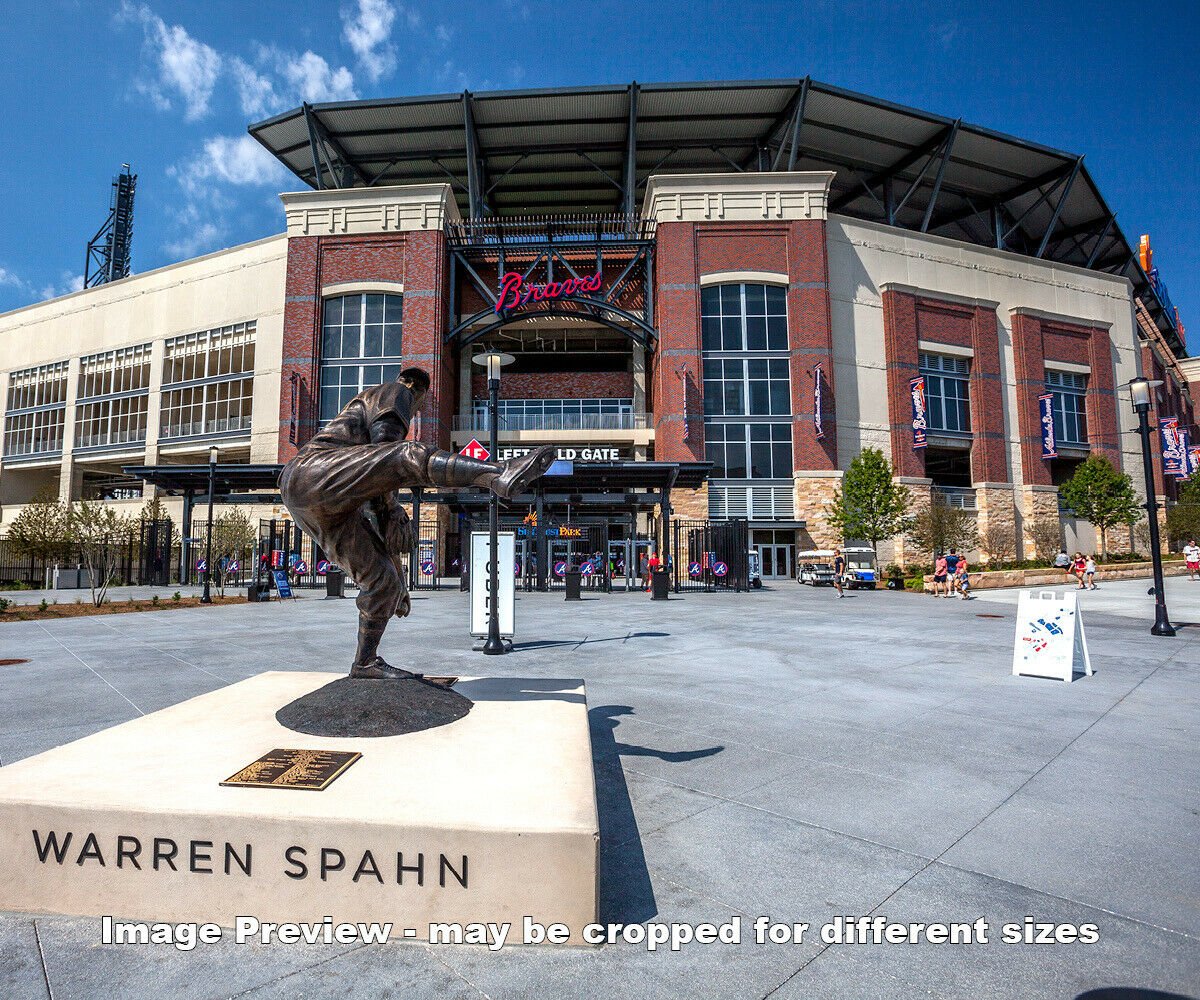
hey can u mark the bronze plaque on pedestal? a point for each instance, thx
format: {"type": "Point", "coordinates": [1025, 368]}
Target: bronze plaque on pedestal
{"type": "Point", "coordinates": [311, 770]}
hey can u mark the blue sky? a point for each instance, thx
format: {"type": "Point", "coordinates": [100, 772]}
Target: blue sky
{"type": "Point", "coordinates": [171, 86]}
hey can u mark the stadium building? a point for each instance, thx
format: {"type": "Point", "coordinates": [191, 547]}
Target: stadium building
{"type": "Point", "coordinates": [716, 296]}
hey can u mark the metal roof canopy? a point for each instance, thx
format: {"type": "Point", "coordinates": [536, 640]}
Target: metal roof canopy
{"type": "Point", "coordinates": [585, 478]}
{"type": "Point", "coordinates": [230, 478]}
{"type": "Point", "coordinates": [591, 149]}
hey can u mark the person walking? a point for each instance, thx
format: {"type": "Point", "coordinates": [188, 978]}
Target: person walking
{"type": "Point", "coordinates": [1089, 572]}
{"type": "Point", "coordinates": [839, 567]}
{"type": "Point", "coordinates": [963, 578]}
{"type": "Point", "coordinates": [652, 565]}
{"type": "Point", "coordinates": [952, 572]}
{"type": "Point", "coordinates": [1191, 555]}
{"type": "Point", "coordinates": [1079, 567]}
{"type": "Point", "coordinates": [644, 571]}
{"type": "Point", "coordinates": [940, 578]}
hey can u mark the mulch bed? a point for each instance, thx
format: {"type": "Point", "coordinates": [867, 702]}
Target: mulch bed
{"type": "Point", "coordinates": [34, 613]}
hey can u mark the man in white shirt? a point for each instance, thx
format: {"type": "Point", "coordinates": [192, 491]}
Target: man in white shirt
{"type": "Point", "coordinates": [1191, 555]}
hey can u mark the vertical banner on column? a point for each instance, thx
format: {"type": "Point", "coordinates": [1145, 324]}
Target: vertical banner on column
{"type": "Point", "coordinates": [920, 424]}
{"type": "Point", "coordinates": [1185, 452]}
{"type": "Point", "coordinates": [1046, 415]}
{"type": "Point", "coordinates": [1193, 460]}
{"type": "Point", "coordinates": [818, 426]}
{"type": "Point", "coordinates": [1172, 446]}
{"type": "Point", "coordinates": [480, 579]}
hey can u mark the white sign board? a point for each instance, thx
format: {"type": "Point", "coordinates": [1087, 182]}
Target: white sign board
{"type": "Point", "coordinates": [1050, 640]}
{"type": "Point", "coordinates": [481, 581]}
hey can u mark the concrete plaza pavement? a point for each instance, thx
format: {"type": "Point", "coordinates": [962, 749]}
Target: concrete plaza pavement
{"type": "Point", "coordinates": [780, 753]}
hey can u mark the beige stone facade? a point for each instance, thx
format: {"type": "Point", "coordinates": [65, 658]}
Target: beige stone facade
{"type": "Point", "coordinates": [814, 496]}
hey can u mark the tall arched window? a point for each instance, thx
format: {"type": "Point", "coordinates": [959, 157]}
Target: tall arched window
{"type": "Point", "coordinates": [360, 346]}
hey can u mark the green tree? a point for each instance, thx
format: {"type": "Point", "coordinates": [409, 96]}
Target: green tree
{"type": "Point", "coordinates": [1100, 494]}
{"type": "Point", "coordinates": [102, 536]}
{"type": "Point", "coordinates": [869, 504]}
{"type": "Point", "coordinates": [1183, 520]}
{"type": "Point", "coordinates": [941, 527]}
{"type": "Point", "coordinates": [233, 538]}
{"type": "Point", "coordinates": [40, 531]}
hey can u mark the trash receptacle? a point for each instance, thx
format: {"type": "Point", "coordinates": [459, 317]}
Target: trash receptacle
{"type": "Point", "coordinates": [573, 579]}
{"type": "Point", "coordinates": [335, 582]}
{"type": "Point", "coordinates": [260, 591]}
{"type": "Point", "coordinates": [660, 585]}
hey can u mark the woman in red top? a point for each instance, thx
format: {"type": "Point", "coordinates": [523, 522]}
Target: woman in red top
{"type": "Point", "coordinates": [1079, 566]}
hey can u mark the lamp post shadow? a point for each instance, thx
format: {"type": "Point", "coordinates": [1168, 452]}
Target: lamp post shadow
{"type": "Point", "coordinates": [626, 893]}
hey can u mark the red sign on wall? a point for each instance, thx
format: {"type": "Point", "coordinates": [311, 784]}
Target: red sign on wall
{"type": "Point", "coordinates": [475, 450]}
{"type": "Point", "coordinates": [516, 291]}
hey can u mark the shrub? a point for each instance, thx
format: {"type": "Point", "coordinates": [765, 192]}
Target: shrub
{"type": "Point", "coordinates": [177, 597]}
{"type": "Point", "coordinates": [43, 605]}
{"type": "Point", "coordinates": [154, 599]}
{"type": "Point", "coordinates": [5, 603]}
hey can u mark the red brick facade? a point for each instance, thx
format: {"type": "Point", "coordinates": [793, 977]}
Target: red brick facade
{"type": "Point", "coordinates": [689, 251]}
{"type": "Point", "coordinates": [416, 259]}
{"type": "Point", "coordinates": [909, 319]}
{"type": "Point", "coordinates": [1038, 340]}
{"type": "Point", "coordinates": [558, 385]}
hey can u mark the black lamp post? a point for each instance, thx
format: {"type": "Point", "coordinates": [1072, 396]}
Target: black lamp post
{"type": "Point", "coordinates": [206, 597]}
{"type": "Point", "coordinates": [493, 361]}
{"type": "Point", "coordinates": [1139, 391]}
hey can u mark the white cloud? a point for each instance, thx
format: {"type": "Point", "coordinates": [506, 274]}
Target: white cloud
{"type": "Point", "coordinates": [312, 79]}
{"type": "Point", "coordinates": [257, 91]}
{"type": "Point", "coordinates": [442, 33]}
{"type": "Point", "coordinates": [203, 237]}
{"type": "Point", "coordinates": [368, 32]}
{"type": "Point", "coordinates": [228, 159]}
{"type": "Point", "coordinates": [184, 65]}
{"type": "Point", "coordinates": [8, 279]}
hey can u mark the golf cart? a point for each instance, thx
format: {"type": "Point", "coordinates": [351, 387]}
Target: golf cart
{"type": "Point", "coordinates": [815, 567]}
{"type": "Point", "coordinates": [860, 567]}
{"type": "Point", "coordinates": [755, 571]}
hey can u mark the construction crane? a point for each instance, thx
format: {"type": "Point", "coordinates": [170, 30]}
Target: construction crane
{"type": "Point", "coordinates": [109, 252]}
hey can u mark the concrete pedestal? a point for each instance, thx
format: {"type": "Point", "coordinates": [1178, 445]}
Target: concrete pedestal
{"type": "Point", "coordinates": [490, 818]}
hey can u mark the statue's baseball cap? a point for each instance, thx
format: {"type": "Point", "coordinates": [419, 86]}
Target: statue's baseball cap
{"type": "Point", "coordinates": [417, 378]}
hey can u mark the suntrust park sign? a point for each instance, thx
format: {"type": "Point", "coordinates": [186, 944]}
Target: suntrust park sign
{"type": "Point", "coordinates": [515, 291]}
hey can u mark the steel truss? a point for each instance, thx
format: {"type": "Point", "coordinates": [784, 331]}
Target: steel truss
{"type": "Point", "coordinates": [543, 251]}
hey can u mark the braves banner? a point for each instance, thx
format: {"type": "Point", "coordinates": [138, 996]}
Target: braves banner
{"type": "Point", "coordinates": [1185, 438]}
{"type": "Point", "coordinates": [818, 426]}
{"type": "Point", "coordinates": [919, 423]}
{"type": "Point", "coordinates": [1172, 447]}
{"type": "Point", "coordinates": [1193, 459]}
{"type": "Point", "coordinates": [1046, 413]}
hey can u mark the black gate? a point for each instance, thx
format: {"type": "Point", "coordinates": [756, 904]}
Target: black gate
{"type": "Point", "coordinates": [710, 555]}
{"type": "Point", "coordinates": [155, 550]}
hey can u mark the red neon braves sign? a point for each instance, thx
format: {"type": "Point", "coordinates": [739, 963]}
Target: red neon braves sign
{"type": "Point", "coordinates": [515, 291]}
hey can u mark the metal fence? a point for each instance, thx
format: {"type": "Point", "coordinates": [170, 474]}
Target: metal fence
{"type": "Point", "coordinates": [143, 556]}
{"type": "Point", "coordinates": [710, 555]}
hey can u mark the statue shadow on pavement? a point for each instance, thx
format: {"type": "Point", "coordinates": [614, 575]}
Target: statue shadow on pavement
{"type": "Point", "coordinates": [626, 893]}
{"type": "Point", "coordinates": [585, 641]}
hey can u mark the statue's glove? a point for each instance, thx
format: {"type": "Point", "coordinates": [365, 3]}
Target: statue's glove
{"type": "Point", "coordinates": [398, 533]}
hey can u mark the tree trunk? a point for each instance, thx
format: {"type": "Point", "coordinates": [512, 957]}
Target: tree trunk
{"type": "Point", "coordinates": [1103, 543]}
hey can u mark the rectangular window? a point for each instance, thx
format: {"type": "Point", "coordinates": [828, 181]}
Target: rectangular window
{"type": "Point", "coordinates": [747, 382]}
{"type": "Point", "coordinates": [947, 394]}
{"type": "Point", "coordinates": [558, 414]}
{"type": "Point", "coordinates": [747, 386]}
{"type": "Point", "coordinates": [208, 382]}
{"type": "Point", "coordinates": [749, 451]}
{"type": "Point", "coordinates": [1069, 406]}
{"type": "Point", "coordinates": [36, 410]}
{"type": "Point", "coordinates": [113, 397]}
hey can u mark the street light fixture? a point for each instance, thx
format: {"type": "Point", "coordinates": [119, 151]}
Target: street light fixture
{"type": "Point", "coordinates": [1140, 393]}
{"type": "Point", "coordinates": [493, 361]}
{"type": "Point", "coordinates": [206, 597]}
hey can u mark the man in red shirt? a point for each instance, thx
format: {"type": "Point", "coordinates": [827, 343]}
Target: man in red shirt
{"type": "Point", "coordinates": [651, 568]}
